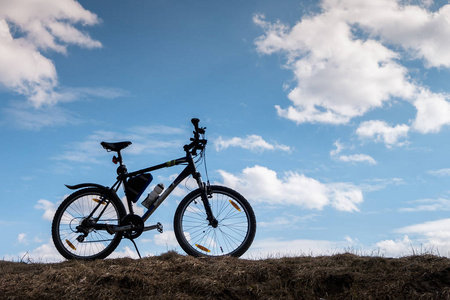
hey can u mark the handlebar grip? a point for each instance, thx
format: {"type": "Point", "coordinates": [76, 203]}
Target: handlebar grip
{"type": "Point", "coordinates": [195, 122]}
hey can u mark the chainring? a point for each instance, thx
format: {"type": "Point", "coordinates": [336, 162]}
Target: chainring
{"type": "Point", "coordinates": [136, 222]}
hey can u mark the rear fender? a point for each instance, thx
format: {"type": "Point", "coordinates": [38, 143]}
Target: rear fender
{"type": "Point", "coordinates": [105, 189]}
{"type": "Point", "coordinates": [85, 185]}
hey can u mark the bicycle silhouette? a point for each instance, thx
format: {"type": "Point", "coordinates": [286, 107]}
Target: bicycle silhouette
{"type": "Point", "coordinates": [212, 220]}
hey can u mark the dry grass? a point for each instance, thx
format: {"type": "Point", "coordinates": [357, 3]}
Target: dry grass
{"type": "Point", "coordinates": [173, 276]}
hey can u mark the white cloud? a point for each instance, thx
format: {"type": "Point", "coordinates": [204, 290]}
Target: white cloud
{"type": "Point", "coordinates": [433, 235]}
{"type": "Point", "coordinates": [27, 30]}
{"type": "Point", "coordinates": [440, 172]}
{"type": "Point", "coordinates": [251, 142]}
{"type": "Point", "coordinates": [358, 158]}
{"type": "Point", "coordinates": [48, 207]}
{"type": "Point", "coordinates": [343, 67]}
{"type": "Point", "coordinates": [432, 228]}
{"type": "Point", "coordinates": [396, 248]}
{"type": "Point", "coordinates": [405, 246]}
{"type": "Point", "coordinates": [430, 237]}
{"type": "Point", "coordinates": [433, 112]}
{"type": "Point", "coordinates": [21, 238]}
{"type": "Point", "coordinates": [145, 139]}
{"type": "Point", "coordinates": [350, 158]}
{"type": "Point", "coordinates": [45, 253]}
{"type": "Point", "coordinates": [24, 116]}
{"type": "Point", "coordinates": [167, 238]}
{"type": "Point", "coordinates": [377, 184]}
{"type": "Point", "coordinates": [382, 132]}
{"type": "Point", "coordinates": [338, 77]}
{"type": "Point", "coordinates": [439, 204]}
{"type": "Point", "coordinates": [277, 247]}
{"type": "Point", "coordinates": [262, 185]}
{"type": "Point", "coordinates": [421, 32]}
{"type": "Point", "coordinates": [339, 147]}
{"type": "Point", "coordinates": [426, 238]}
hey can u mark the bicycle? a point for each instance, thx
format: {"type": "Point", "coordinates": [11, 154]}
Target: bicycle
{"type": "Point", "coordinates": [212, 220]}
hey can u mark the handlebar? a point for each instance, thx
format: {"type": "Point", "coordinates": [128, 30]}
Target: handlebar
{"type": "Point", "coordinates": [196, 142]}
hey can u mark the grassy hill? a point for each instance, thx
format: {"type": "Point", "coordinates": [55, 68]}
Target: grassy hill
{"type": "Point", "coordinates": [173, 276]}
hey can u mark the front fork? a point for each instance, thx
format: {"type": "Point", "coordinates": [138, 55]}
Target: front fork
{"type": "Point", "coordinates": [205, 191]}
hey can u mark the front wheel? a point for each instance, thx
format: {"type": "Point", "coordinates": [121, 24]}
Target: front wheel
{"type": "Point", "coordinates": [77, 225]}
{"type": "Point", "coordinates": [232, 235]}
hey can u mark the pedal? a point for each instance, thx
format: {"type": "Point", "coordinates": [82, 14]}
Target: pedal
{"type": "Point", "coordinates": [159, 227]}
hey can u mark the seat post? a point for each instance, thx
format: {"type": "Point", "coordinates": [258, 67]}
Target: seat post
{"type": "Point", "coordinates": [119, 157]}
{"type": "Point", "coordinates": [121, 169]}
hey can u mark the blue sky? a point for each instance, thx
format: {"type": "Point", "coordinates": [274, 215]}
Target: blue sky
{"type": "Point", "coordinates": [331, 117]}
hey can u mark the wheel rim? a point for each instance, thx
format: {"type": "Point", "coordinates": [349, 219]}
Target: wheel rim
{"type": "Point", "coordinates": [96, 241]}
{"type": "Point", "coordinates": [227, 237]}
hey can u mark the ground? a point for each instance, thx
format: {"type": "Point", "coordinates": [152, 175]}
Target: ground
{"type": "Point", "coordinates": [174, 276]}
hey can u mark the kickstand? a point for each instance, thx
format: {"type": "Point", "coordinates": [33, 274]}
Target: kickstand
{"type": "Point", "coordinates": [136, 248]}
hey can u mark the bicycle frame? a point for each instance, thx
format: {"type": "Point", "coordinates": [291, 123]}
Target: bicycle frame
{"type": "Point", "coordinates": [189, 170]}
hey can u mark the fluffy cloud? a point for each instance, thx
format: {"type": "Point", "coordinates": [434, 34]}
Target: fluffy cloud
{"type": "Point", "coordinates": [21, 238]}
{"type": "Point", "coordinates": [358, 158]}
{"type": "Point", "coordinates": [343, 67]}
{"type": "Point", "coordinates": [338, 77]}
{"type": "Point", "coordinates": [396, 248]}
{"type": "Point", "coordinates": [440, 172]}
{"type": "Point", "coordinates": [422, 32]}
{"type": "Point", "coordinates": [45, 253]}
{"type": "Point", "coordinates": [263, 185]}
{"type": "Point", "coordinates": [28, 28]}
{"type": "Point", "coordinates": [251, 142]}
{"type": "Point", "coordinates": [433, 112]}
{"type": "Point", "coordinates": [167, 238]}
{"type": "Point", "coordinates": [382, 132]}
{"type": "Point", "coordinates": [354, 158]}
{"type": "Point", "coordinates": [430, 237]}
{"type": "Point", "coordinates": [48, 207]}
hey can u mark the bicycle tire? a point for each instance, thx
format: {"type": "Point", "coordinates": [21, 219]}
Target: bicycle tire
{"type": "Point", "coordinates": [236, 224]}
{"type": "Point", "coordinates": [97, 244]}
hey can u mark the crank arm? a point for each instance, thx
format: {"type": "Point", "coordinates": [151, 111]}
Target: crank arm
{"type": "Point", "coordinates": [158, 227]}
{"type": "Point", "coordinates": [111, 229]}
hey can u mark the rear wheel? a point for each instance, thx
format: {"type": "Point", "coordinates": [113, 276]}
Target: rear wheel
{"type": "Point", "coordinates": [232, 235]}
{"type": "Point", "coordinates": [73, 230]}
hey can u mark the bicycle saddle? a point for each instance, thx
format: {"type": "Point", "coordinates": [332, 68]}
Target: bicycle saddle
{"type": "Point", "coordinates": [115, 146]}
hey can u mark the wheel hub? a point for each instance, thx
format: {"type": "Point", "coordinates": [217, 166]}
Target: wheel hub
{"type": "Point", "coordinates": [214, 223]}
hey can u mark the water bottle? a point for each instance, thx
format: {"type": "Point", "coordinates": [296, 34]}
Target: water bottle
{"type": "Point", "coordinates": [153, 195]}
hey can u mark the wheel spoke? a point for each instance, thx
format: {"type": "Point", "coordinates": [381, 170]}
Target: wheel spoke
{"type": "Point", "coordinates": [235, 229]}
{"type": "Point", "coordinates": [71, 235]}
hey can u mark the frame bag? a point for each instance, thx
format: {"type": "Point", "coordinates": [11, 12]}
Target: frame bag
{"type": "Point", "coordinates": [136, 186]}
